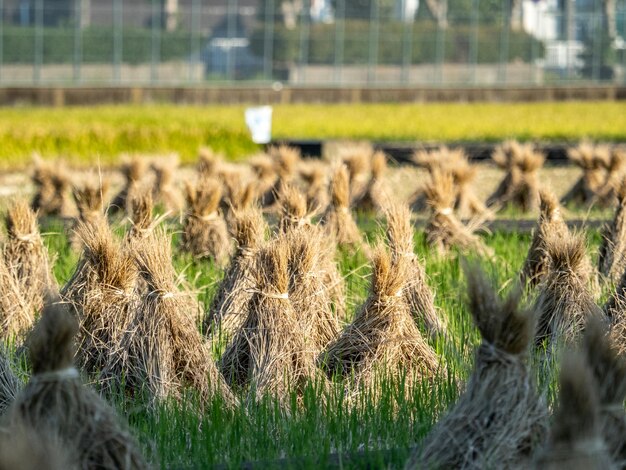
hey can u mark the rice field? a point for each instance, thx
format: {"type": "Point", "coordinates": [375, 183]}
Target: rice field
{"type": "Point", "coordinates": [274, 394]}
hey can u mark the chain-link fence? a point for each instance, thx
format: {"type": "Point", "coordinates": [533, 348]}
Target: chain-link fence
{"type": "Point", "coordinates": [312, 42]}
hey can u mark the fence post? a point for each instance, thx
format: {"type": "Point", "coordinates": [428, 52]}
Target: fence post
{"type": "Point", "coordinates": [78, 40]}
{"type": "Point", "coordinates": [231, 26]}
{"type": "Point", "coordinates": [340, 38]}
{"type": "Point", "coordinates": [195, 54]}
{"type": "Point", "coordinates": [373, 41]}
{"type": "Point", "coordinates": [596, 48]}
{"type": "Point", "coordinates": [118, 39]}
{"type": "Point", "coordinates": [473, 52]}
{"type": "Point", "coordinates": [268, 41]}
{"type": "Point", "coordinates": [304, 40]}
{"type": "Point", "coordinates": [440, 53]}
{"type": "Point", "coordinates": [38, 40]}
{"type": "Point", "coordinates": [156, 46]}
{"type": "Point", "coordinates": [504, 42]}
{"type": "Point", "coordinates": [407, 48]}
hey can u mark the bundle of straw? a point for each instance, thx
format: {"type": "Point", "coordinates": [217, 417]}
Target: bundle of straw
{"type": "Point", "coordinates": [140, 207]}
{"type": "Point", "coordinates": [205, 233]}
{"type": "Point", "coordinates": [417, 293]}
{"type": "Point", "coordinates": [593, 160]}
{"type": "Point", "coordinates": [337, 219]}
{"type": "Point", "coordinates": [133, 171]}
{"type": "Point", "coordinates": [499, 419]}
{"type": "Point", "coordinates": [520, 186]}
{"type": "Point", "coordinates": [374, 197]}
{"type": "Point", "coordinates": [27, 448]}
{"type": "Point", "coordinates": [565, 301]}
{"type": "Point", "coordinates": [165, 191]}
{"type": "Point", "coordinates": [383, 336]}
{"type": "Point", "coordinates": [10, 384]}
{"type": "Point", "coordinates": [316, 178]}
{"type": "Point", "coordinates": [269, 352]}
{"type": "Point", "coordinates": [208, 163]}
{"type": "Point", "coordinates": [52, 189]}
{"type": "Point", "coordinates": [161, 350]}
{"type": "Point", "coordinates": [230, 305]}
{"type": "Point", "coordinates": [443, 229]}
{"type": "Point", "coordinates": [89, 198]}
{"type": "Point", "coordinates": [285, 161]}
{"type": "Point", "coordinates": [16, 314]}
{"type": "Point", "coordinates": [357, 162]}
{"type": "Point", "coordinates": [575, 441]}
{"type": "Point", "coordinates": [55, 400]}
{"type": "Point", "coordinates": [26, 257]}
{"type": "Point", "coordinates": [612, 253]}
{"type": "Point", "coordinates": [550, 224]}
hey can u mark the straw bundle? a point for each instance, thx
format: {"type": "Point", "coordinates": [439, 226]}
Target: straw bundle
{"type": "Point", "coordinates": [16, 314]}
{"type": "Point", "coordinates": [205, 234]}
{"type": "Point", "coordinates": [417, 293]}
{"type": "Point", "coordinates": [358, 163]}
{"type": "Point", "coordinates": [337, 219]}
{"type": "Point", "coordinates": [26, 448]}
{"type": "Point", "coordinates": [316, 178]}
{"type": "Point", "coordinates": [89, 198]}
{"type": "Point", "coordinates": [443, 229]}
{"type": "Point", "coordinates": [309, 289]}
{"type": "Point", "coordinates": [285, 161]}
{"type": "Point", "coordinates": [161, 350]}
{"type": "Point", "coordinates": [575, 441]}
{"type": "Point", "coordinates": [26, 257]}
{"type": "Point", "coordinates": [55, 400]}
{"type": "Point", "coordinates": [609, 369]}
{"type": "Point", "coordinates": [270, 351]}
{"type": "Point", "coordinates": [230, 305]}
{"type": "Point", "coordinates": [266, 174]}
{"type": "Point", "coordinates": [140, 207]}
{"type": "Point", "coordinates": [593, 160]}
{"type": "Point", "coordinates": [133, 171]}
{"type": "Point", "coordinates": [165, 191]}
{"type": "Point", "coordinates": [612, 253]}
{"type": "Point", "coordinates": [52, 189]}
{"type": "Point", "coordinates": [520, 186]}
{"type": "Point", "coordinates": [374, 197]}
{"type": "Point", "coordinates": [550, 224]}
{"type": "Point", "coordinates": [499, 420]}
{"type": "Point", "coordinates": [208, 163]}
{"type": "Point", "coordinates": [614, 177]}
{"type": "Point", "coordinates": [105, 300]}
{"type": "Point", "coordinates": [565, 301]}
{"type": "Point", "coordinates": [383, 335]}
{"type": "Point", "coordinates": [10, 385]}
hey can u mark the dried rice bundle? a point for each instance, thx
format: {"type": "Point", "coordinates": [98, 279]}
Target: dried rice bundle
{"type": "Point", "coordinates": [609, 369]}
{"type": "Point", "coordinates": [417, 293]}
{"type": "Point", "coordinates": [89, 198]}
{"type": "Point", "coordinates": [55, 399]}
{"type": "Point", "coordinates": [550, 224]}
{"type": "Point", "coordinates": [593, 160]}
{"type": "Point", "coordinates": [266, 174]}
{"type": "Point", "coordinates": [270, 351]}
{"type": "Point", "coordinates": [575, 440]}
{"type": "Point", "coordinates": [208, 163]}
{"type": "Point", "coordinates": [10, 384]}
{"type": "Point", "coordinates": [164, 190]}
{"type": "Point", "coordinates": [612, 253]}
{"type": "Point", "coordinates": [520, 186]}
{"type": "Point", "coordinates": [26, 257]}
{"type": "Point", "coordinates": [443, 229]}
{"type": "Point", "coordinates": [205, 233]}
{"type": "Point", "coordinates": [230, 305]}
{"type": "Point", "coordinates": [161, 350]}
{"type": "Point", "coordinates": [309, 290]}
{"type": "Point", "coordinates": [614, 177]}
{"type": "Point", "coordinates": [565, 301]}
{"type": "Point", "coordinates": [139, 206]}
{"type": "Point", "coordinates": [317, 196]}
{"type": "Point", "coordinates": [337, 219]}
{"type": "Point", "coordinates": [238, 193]}
{"type": "Point", "coordinates": [383, 336]}
{"type": "Point", "coordinates": [26, 448]}
{"type": "Point", "coordinates": [500, 419]}
{"type": "Point", "coordinates": [106, 300]}
{"type": "Point", "coordinates": [52, 189]}
{"type": "Point", "coordinates": [16, 314]}
{"type": "Point", "coordinates": [374, 197]}
{"type": "Point", "coordinates": [285, 161]}
{"type": "Point", "coordinates": [133, 171]}
{"type": "Point", "coordinates": [358, 163]}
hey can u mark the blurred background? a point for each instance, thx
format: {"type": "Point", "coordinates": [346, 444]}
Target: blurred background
{"type": "Point", "coordinates": [373, 43]}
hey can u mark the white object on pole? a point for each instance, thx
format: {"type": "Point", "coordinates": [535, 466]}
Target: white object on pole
{"type": "Point", "coordinates": [259, 121]}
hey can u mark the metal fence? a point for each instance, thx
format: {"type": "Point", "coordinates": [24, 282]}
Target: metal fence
{"type": "Point", "coordinates": [306, 42]}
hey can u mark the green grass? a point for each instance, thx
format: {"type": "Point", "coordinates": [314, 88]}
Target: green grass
{"type": "Point", "coordinates": [89, 134]}
{"type": "Point", "coordinates": [179, 435]}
